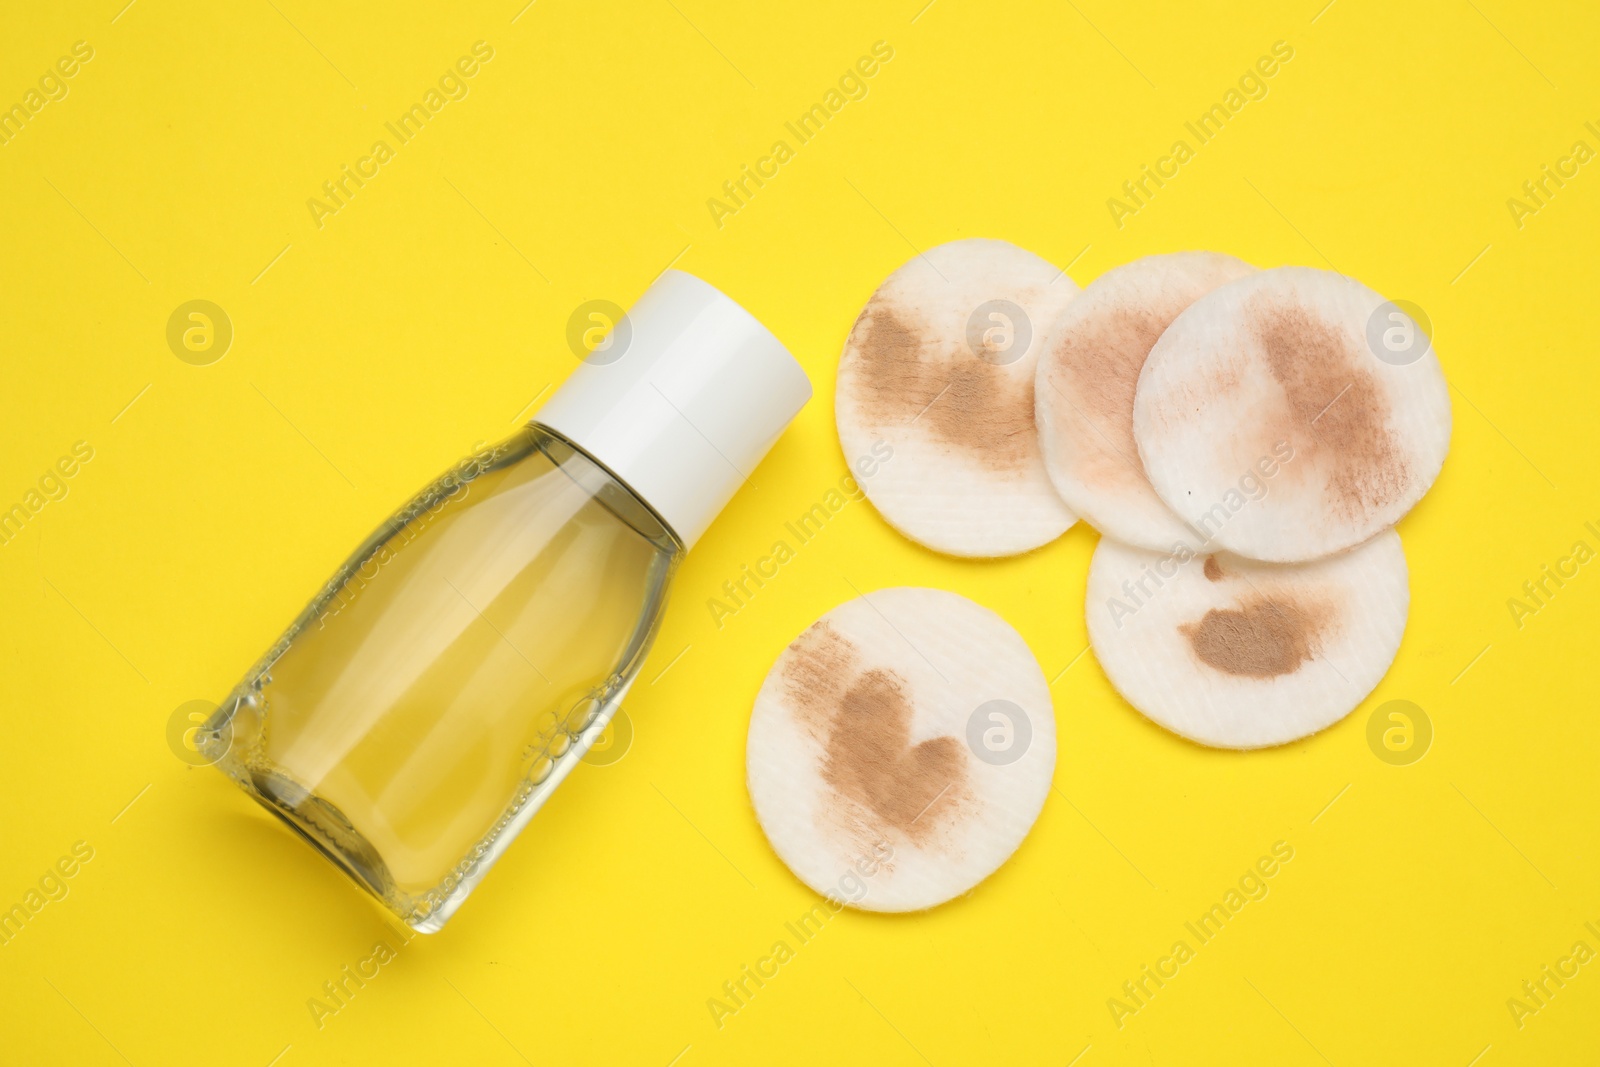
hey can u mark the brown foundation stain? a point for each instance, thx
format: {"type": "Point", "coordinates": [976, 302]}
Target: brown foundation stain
{"type": "Point", "coordinates": [1213, 569]}
{"type": "Point", "coordinates": [1265, 638]}
{"type": "Point", "coordinates": [1335, 406]}
{"type": "Point", "coordinates": [982, 409]}
{"type": "Point", "coordinates": [1106, 360]}
{"type": "Point", "coordinates": [1100, 365]}
{"type": "Point", "coordinates": [820, 665]}
{"type": "Point", "coordinates": [862, 719]}
{"type": "Point", "coordinates": [870, 759]}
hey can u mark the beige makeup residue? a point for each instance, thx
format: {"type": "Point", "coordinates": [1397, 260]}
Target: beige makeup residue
{"type": "Point", "coordinates": [981, 408]}
{"type": "Point", "coordinates": [1334, 404]}
{"type": "Point", "coordinates": [863, 720]}
{"type": "Point", "coordinates": [1098, 365]}
{"type": "Point", "coordinates": [1264, 638]}
{"type": "Point", "coordinates": [871, 760]}
{"type": "Point", "coordinates": [820, 664]}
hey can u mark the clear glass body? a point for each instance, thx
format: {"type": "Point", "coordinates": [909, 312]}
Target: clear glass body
{"type": "Point", "coordinates": [449, 675]}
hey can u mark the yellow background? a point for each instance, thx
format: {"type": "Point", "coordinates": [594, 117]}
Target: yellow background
{"type": "Point", "coordinates": [430, 311]}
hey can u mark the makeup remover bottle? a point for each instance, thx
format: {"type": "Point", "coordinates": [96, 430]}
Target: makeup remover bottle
{"type": "Point", "coordinates": [457, 666]}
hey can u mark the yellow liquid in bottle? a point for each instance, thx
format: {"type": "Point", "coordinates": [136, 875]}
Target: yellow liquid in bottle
{"type": "Point", "coordinates": [408, 719]}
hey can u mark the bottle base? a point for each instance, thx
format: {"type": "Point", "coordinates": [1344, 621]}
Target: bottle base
{"type": "Point", "coordinates": [327, 829]}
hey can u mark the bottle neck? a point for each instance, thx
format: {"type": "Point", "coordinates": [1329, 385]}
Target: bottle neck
{"type": "Point", "coordinates": [604, 485]}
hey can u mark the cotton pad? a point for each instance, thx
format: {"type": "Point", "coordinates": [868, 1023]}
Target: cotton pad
{"type": "Point", "coordinates": [938, 372]}
{"type": "Point", "coordinates": [1241, 654]}
{"type": "Point", "coordinates": [901, 748]}
{"type": "Point", "coordinates": [1083, 395]}
{"type": "Point", "coordinates": [1283, 369]}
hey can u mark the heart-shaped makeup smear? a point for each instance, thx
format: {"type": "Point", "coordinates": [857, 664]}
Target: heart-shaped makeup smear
{"type": "Point", "coordinates": [870, 758]}
{"type": "Point", "coordinates": [866, 766]}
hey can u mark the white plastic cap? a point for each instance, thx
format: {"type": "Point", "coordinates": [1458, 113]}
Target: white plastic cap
{"type": "Point", "coordinates": [691, 402]}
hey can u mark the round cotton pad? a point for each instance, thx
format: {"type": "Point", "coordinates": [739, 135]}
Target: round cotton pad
{"type": "Point", "coordinates": [901, 748]}
{"type": "Point", "coordinates": [935, 399]}
{"type": "Point", "coordinates": [1083, 396]}
{"type": "Point", "coordinates": [1239, 654]}
{"type": "Point", "coordinates": [1290, 369]}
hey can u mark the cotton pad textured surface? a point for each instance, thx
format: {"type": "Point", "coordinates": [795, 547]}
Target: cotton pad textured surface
{"type": "Point", "coordinates": [910, 728]}
{"type": "Point", "coordinates": [1083, 396]}
{"type": "Point", "coordinates": [1283, 356]}
{"type": "Point", "coordinates": [1241, 654]}
{"type": "Point", "coordinates": [939, 369]}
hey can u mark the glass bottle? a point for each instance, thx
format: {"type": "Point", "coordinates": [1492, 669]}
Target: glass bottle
{"type": "Point", "coordinates": [454, 670]}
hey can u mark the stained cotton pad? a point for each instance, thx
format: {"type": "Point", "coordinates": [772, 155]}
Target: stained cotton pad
{"type": "Point", "coordinates": [1083, 396]}
{"type": "Point", "coordinates": [901, 748]}
{"type": "Point", "coordinates": [1283, 369]}
{"type": "Point", "coordinates": [1236, 653]}
{"type": "Point", "coordinates": [938, 375]}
